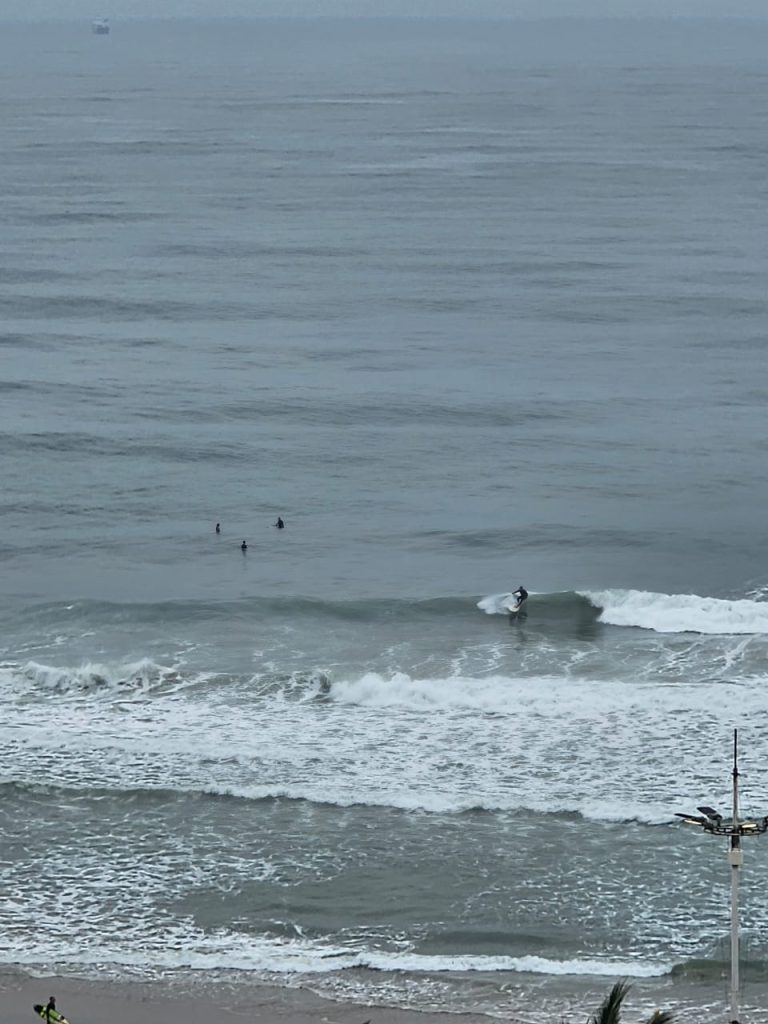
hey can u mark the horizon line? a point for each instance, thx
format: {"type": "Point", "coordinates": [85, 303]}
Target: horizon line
{"type": "Point", "coordinates": [512, 18]}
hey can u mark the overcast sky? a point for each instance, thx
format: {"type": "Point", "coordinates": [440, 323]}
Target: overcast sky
{"type": "Point", "coordinates": [117, 9]}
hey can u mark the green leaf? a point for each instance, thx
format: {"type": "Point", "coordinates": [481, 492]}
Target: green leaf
{"type": "Point", "coordinates": [610, 1009]}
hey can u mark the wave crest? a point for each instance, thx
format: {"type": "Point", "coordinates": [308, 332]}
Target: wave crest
{"type": "Point", "coordinates": [679, 613]}
{"type": "Point", "coordinates": [90, 678]}
{"type": "Point", "coordinates": [640, 609]}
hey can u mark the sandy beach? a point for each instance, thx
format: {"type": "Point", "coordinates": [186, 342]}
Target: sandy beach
{"type": "Point", "coordinates": [93, 1002]}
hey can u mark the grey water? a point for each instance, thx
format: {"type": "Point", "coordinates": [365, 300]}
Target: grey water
{"type": "Point", "coordinates": [468, 304]}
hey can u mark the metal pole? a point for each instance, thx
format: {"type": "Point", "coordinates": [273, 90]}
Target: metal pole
{"type": "Point", "coordinates": [735, 859]}
{"type": "Point", "coordinates": [717, 825]}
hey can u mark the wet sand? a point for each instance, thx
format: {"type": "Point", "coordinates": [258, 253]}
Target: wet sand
{"type": "Point", "coordinates": [96, 1002]}
{"type": "Point", "coordinates": [561, 1001]}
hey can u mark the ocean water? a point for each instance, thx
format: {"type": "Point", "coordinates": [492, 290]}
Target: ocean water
{"type": "Point", "coordinates": [470, 305]}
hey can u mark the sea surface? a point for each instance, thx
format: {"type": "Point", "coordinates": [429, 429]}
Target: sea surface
{"type": "Point", "coordinates": [469, 305]}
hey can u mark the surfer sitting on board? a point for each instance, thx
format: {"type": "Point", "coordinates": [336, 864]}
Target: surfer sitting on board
{"type": "Point", "coordinates": [521, 596]}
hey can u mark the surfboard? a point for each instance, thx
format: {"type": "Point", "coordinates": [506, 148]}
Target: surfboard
{"type": "Point", "coordinates": [53, 1015]}
{"type": "Point", "coordinates": [510, 605]}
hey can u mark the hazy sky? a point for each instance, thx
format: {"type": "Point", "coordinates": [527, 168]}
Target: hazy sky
{"type": "Point", "coordinates": [117, 9]}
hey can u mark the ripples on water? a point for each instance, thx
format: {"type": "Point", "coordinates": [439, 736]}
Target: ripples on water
{"type": "Point", "coordinates": [468, 307]}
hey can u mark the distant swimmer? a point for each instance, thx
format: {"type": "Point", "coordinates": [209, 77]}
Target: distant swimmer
{"type": "Point", "coordinates": [218, 527]}
{"type": "Point", "coordinates": [243, 547]}
{"type": "Point", "coordinates": [521, 596]}
{"type": "Point", "coordinates": [280, 524]}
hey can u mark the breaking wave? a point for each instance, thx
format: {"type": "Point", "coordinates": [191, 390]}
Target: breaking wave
{"type": "Point", "coordinates": [642, 609]}
{"type": "Point", "coordinates": [90, 678]}
{"type": "Point", "coordinates": [233, 951]}
{"type": "Point", "coordinates": [679, 613]}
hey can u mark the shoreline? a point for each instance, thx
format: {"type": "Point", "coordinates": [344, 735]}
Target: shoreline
{"type": "Point", "coordinates": [87, 1001]}
{"type": "Point", "coordinates": [190, 1000]}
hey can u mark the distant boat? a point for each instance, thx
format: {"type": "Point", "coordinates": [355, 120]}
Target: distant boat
{"type": "Point", "coordinates": [100, 27]}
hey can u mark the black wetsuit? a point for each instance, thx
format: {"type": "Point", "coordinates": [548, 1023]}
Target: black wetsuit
{"type": "Point", "coordinates": [522, 595]}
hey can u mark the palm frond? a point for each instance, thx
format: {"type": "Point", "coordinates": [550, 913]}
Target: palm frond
{"type": "Point", "coordinates": [610, 1009]}
{"type": "Point", "coordinates": [662, 1017]}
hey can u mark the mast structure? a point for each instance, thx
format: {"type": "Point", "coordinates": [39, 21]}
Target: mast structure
{"type": "Point", "coordinates": [717, 825]}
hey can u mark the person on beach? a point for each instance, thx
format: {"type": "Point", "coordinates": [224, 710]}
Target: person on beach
{"type": "Point", "coordinates": [49, 1013]}
{"type": "Point", "coordinates": [520, 595]}
{"type": "Point", "coordinates": [280, 524]}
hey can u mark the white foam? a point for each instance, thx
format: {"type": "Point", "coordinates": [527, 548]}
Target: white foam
{"type": "Point", "coordinates": [482, 742]}
{"type": "Point", "coordinates": [679, 613]}
{"type": "Point", "coordinates": [416, 963]}
{"type": "Point", "coordinates": [137, 677]}
{"type": "Point", "coordinates": [374, 690]}
{"type": "Point", "coordinates": [224, 949]}
{"type": "Point", "coordinates": [495, 604]}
